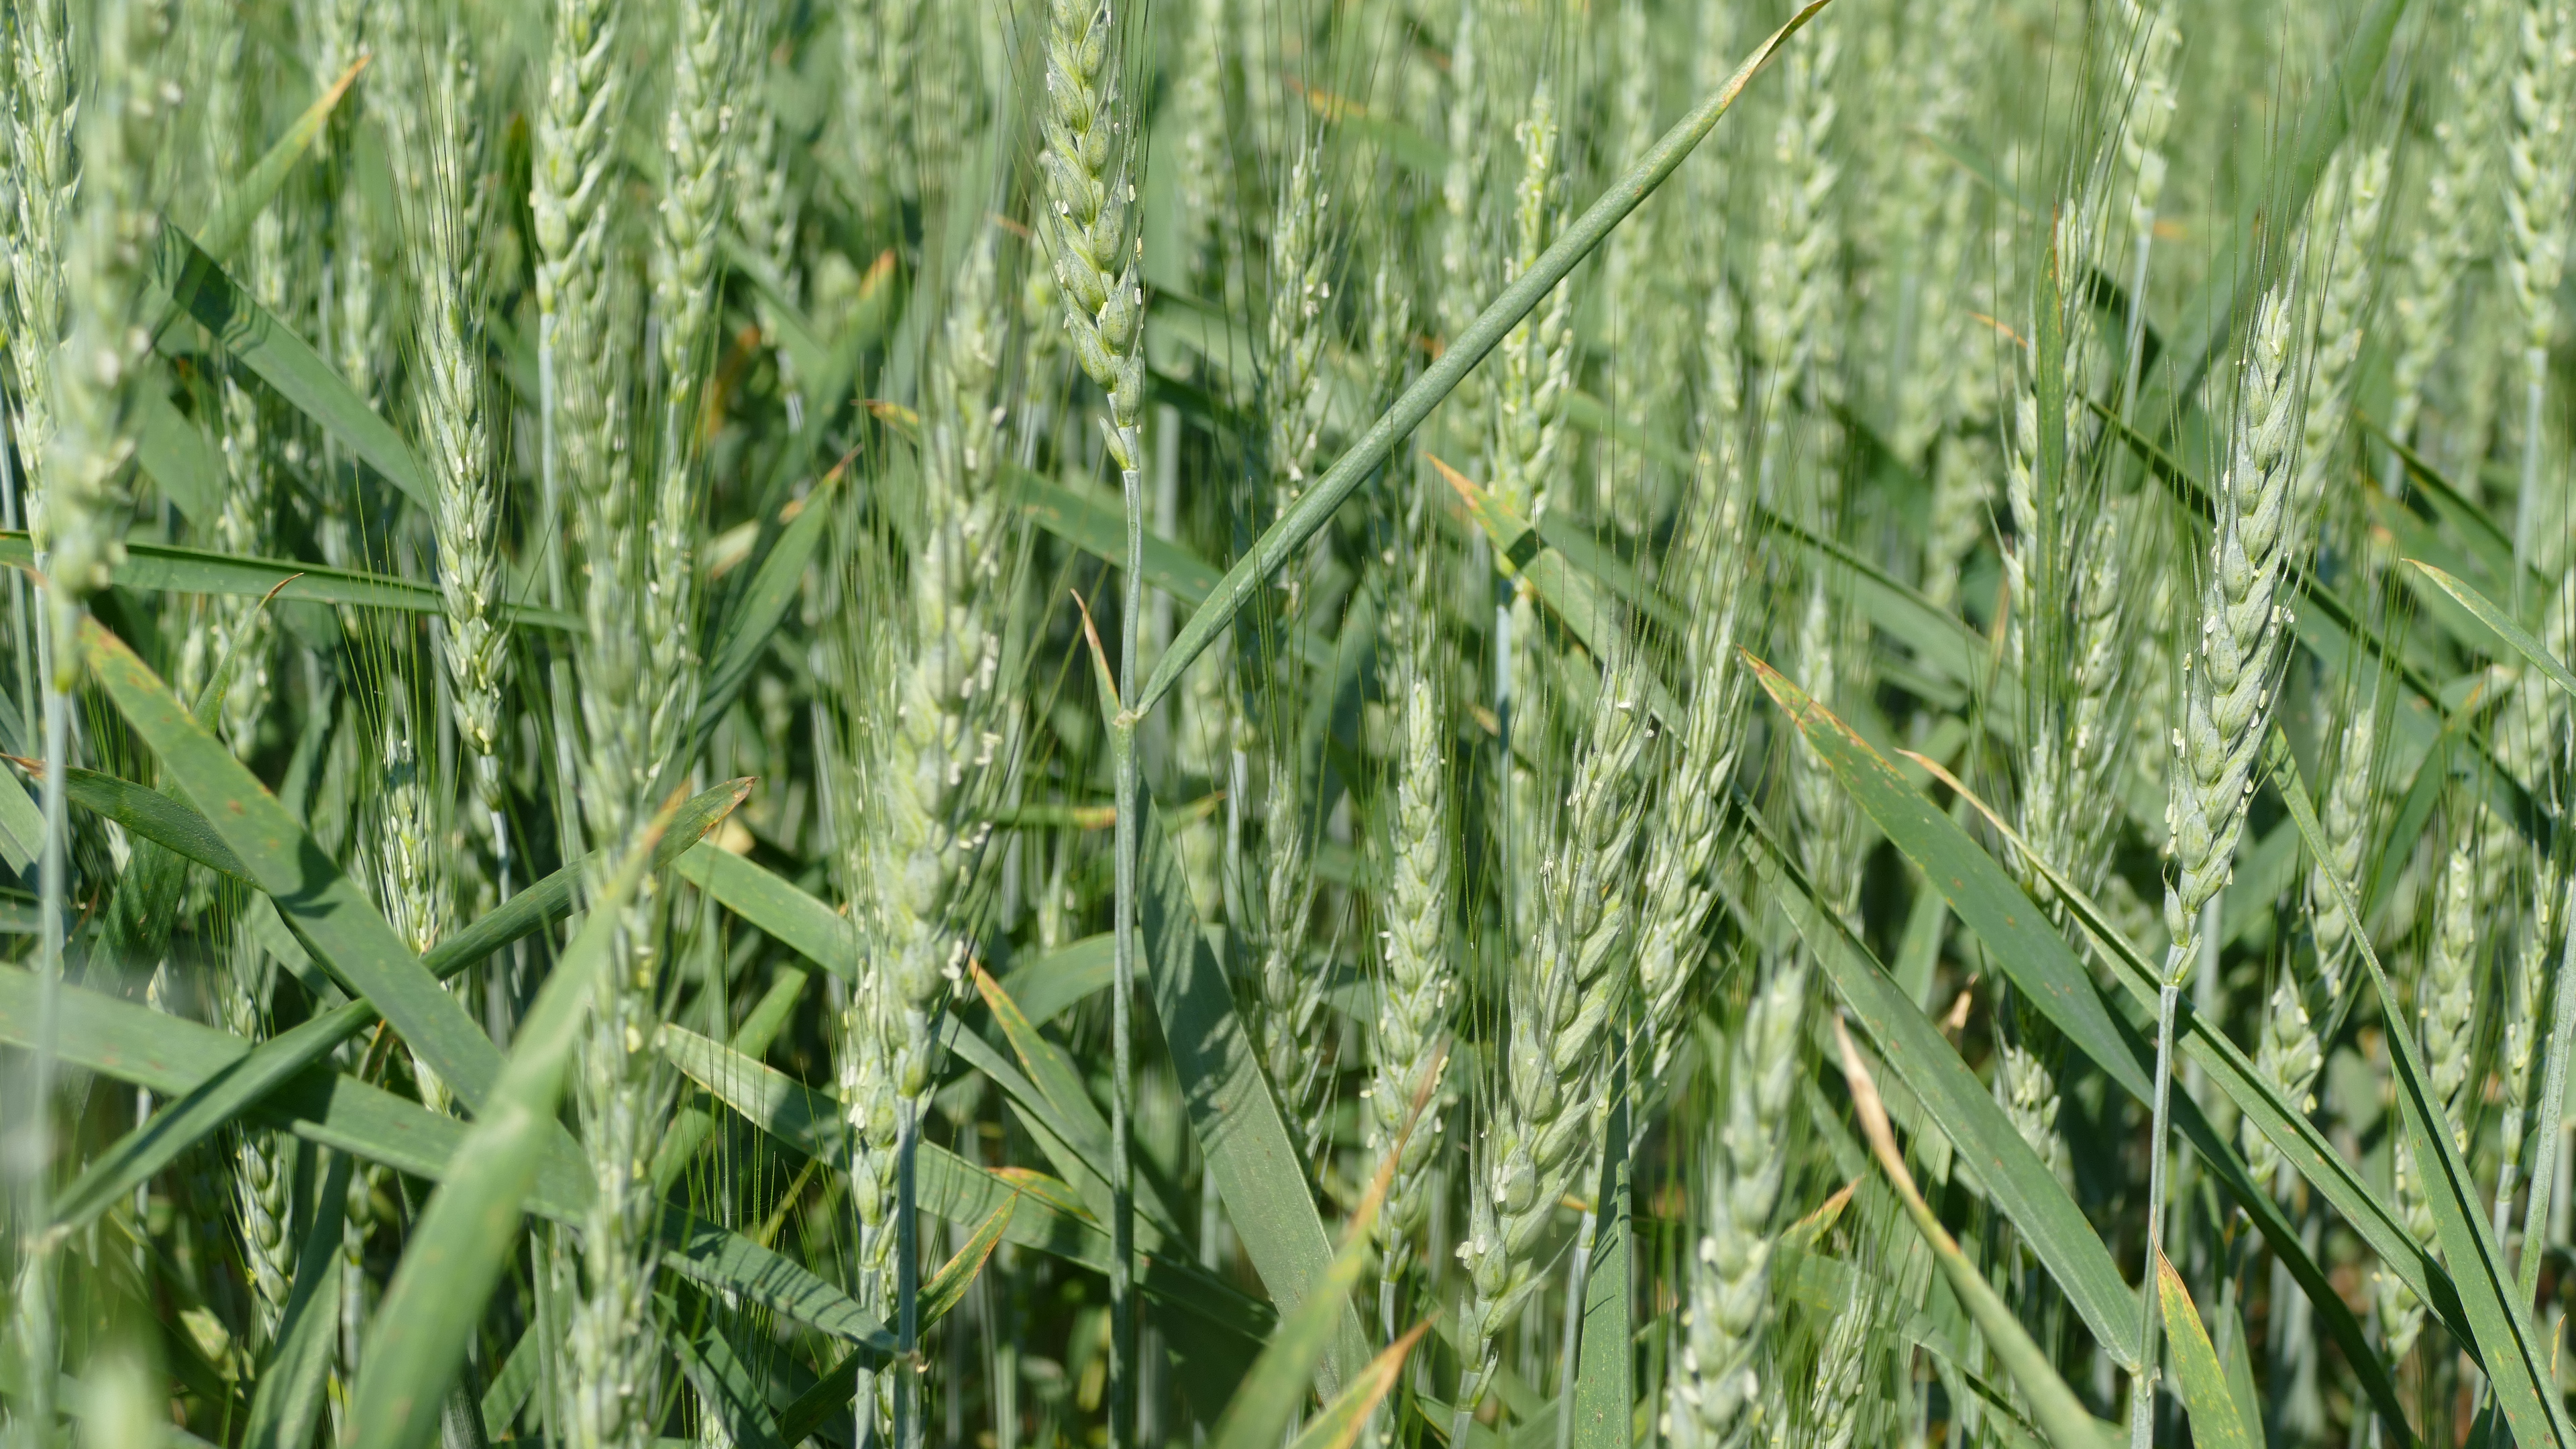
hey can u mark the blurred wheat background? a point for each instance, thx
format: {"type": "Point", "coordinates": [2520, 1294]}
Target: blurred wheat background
{"type": "Point", "coordinates": [1532, 724]}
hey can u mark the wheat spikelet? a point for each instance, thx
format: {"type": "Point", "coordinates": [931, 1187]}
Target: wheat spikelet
{"type": "Point", "coordinates": [436, 154]}
{"type": "Point", "coordinates": [1567, 997]}
{"type": "Point", "coordinates": [1417, 987]}
{"type": "Point", "coordinates": [1533, 363]}
{"type": "Point", "coordinates": [1717, 1363]}
{"type": "Point", "coordinates": [40, 118]}
{"type": "Point", "coordinates": [80, 525]}
{"type": "Point", "coordinates": [2228, 676]}
{"type": "Point", "coordinates": [2521, 1035]}
{"type": "Point", "coordinates": [696, 143]}
{"type": "Point", "coordinates": [1792, 333]}
{"type": "Point", "coordinates": [1694, 808]}
{"type": "Point", "coordinates": [2451, 232]}
{"type": "Point", "coordinates": [2343, 219]}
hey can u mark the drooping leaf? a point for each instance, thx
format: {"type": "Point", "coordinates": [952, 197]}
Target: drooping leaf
{"type": "Point", "coordinates": [228, 225]}
{"type": "Point", "coordinates": [252, 335]}
{"type": "Point", "coordinates": [790, 916]}
{"type": "Point", "coordinates": [1053, 1073]}
{"type": "Point", "coordinates": [1605, 1366]}
{"type": "Point", "coordinates": [696, 1122]}
{"type": "Point", "coordinates": [947, 1186]}
{"type": "Point", "coordinates": [725, 1385]}
{"type": "Point", "coordinates": [199, 1112]}
{"type": "Point", "coordinates": [755, 615]}
{"type": "Point", "coordinates": [2560, 1046]}
{"type": "Point", "coordinates": [1568, 593]}
{"type": "Point", "coordinates": [1048, 986]}
{"type": "Point", "coordinates": [1281, 541]}
{"type": "Point", "coordinates": [454, 1255]}
{"type": "Point", "coordinates": [1964, 1108]}
{"type": "Point", "coordinates": [2030, 951]}
{"type": "Point", "coordinates": [2503, 624]}
{"type": "Point", "coordinates": [169, 568]}
{"type": "Point", "coordinates": [2506, 1343]}
{"type": "Point", "coordinates": [1339, 1425]}
{"type": "Point", "coordinates": [2060, 1413]}
{"type": "Point", "coordinates": [947, 1287]}
{"type": "Point", "coordinates": [171, 824]}
{"type": "Point", "coordinates": [1099, 527]}
{"type": "Point", "coordinates": [174, 1056]}
{"type": "Point", "coordinates": [2215, 1420]}
{"type": "Point", "coordinates": [1255, 1167]}
{"type": "Point", "coordinates": [331, 912]}
{"type": "Point", "coordinates": [177, 456]}
{"type": "Point", "coordinates": [1259, 1413]}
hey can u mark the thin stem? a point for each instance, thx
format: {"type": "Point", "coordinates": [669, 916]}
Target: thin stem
{"type": "Point", "coordinates": [37, 1301]}
{"type": "Point", "coordinates": [2538, 1212]}
{"type": "Point", "coordinates": [907, 1278]}
{"type": "Point", "coordinates": [1122, 1197]}
{"type": "Point", "coordinates": [2137, 324]}
{"type": "Point", "coordinates": [2142, 1393]}
{"type": "Point", "coordinates": [1571, 1342]}
{"type": "Point", "coordinates": [2535, 384]}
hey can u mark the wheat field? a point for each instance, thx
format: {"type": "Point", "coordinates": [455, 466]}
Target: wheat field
{"type": "Point", "coordinates": [1453, 724]}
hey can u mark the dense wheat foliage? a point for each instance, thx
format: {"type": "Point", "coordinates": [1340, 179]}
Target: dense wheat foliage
{"type": "Point", "coordinates": [1454, 724]}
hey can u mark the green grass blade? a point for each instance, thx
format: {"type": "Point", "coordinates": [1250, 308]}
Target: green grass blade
{"type": "Point", "coordinates": [2553, 1088]}
{"type": "Point", "coordinates": [1049, 986]}
{"type": "Point", "coordinates": [510, 1388]}
{"type": "Point", "coordinates": [1281, 541]}
{"type": "Point", "coordinates": [1256, 1169]}
{"type": "Point", "coordinates": [1939, 639]}
{"type": "Point", "coordinates": [455, 1253]}
{"type": "Point", "coordinates": [2040, 964]}
{"type": "Point", "coordinates": [146, 812]}
{"type": "Point", "coordinates": [2517, 1362]}
{"type": "Point", "coordinates": [329, 911]}
{"type": "Point", "coordinates": [696, 1122]}
{"type": "Point", "coordinates": [1605, 1365]}
{"type": "Point", "coordinates": [2503, 624]}
{"type": "Point", "coordinates": [809, 1123]}
{"type": "Point", "coordinates": [1098, 527]}
{"type": "Point", "coordinates": [2485, 539]}
{"type": "Point", "coordinates": [1341, 1421]}
{"type": "Point", "coordinates": [947, 1287]}
{"type": "Point", "coordinates": [755, 615]}
{"type": "Point", "coordinates": [22, 825]}
{"type": "Point", "coordinates": [288, 1401]}
{"type": "Point", "coordinates": [169, 568]}
{"type": "Point", "coordinates": [173, 1056]}
{"type": "Point", "coordinates": [1258, 1415]}
{"type": "Point", "coordinates": [790, 916]}
{"type": "Point", "coordinates": [1069, 1112]}
{"type": "Point", "coordinates": [197, 1114]}
{"type": "Point", "coordinates": [177, 456]}
{"type": "Point", "coordinates": [2011, 1174]}
{"type": "Point", "coordinates": [2288, 1129]}
{"type": "Point", "coordinates": [229, 223]}
{"type": "Point", "coordinates": [1566, 590]}
{"type": "Point", "coordinates": [2059, 1413]}
{"type": "Point", "coordinates": [253, 335]}
{"type": "Point", "coordinates": [724, 1384]}
{"type": "Point", "coordinates": [2216, 1422]}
